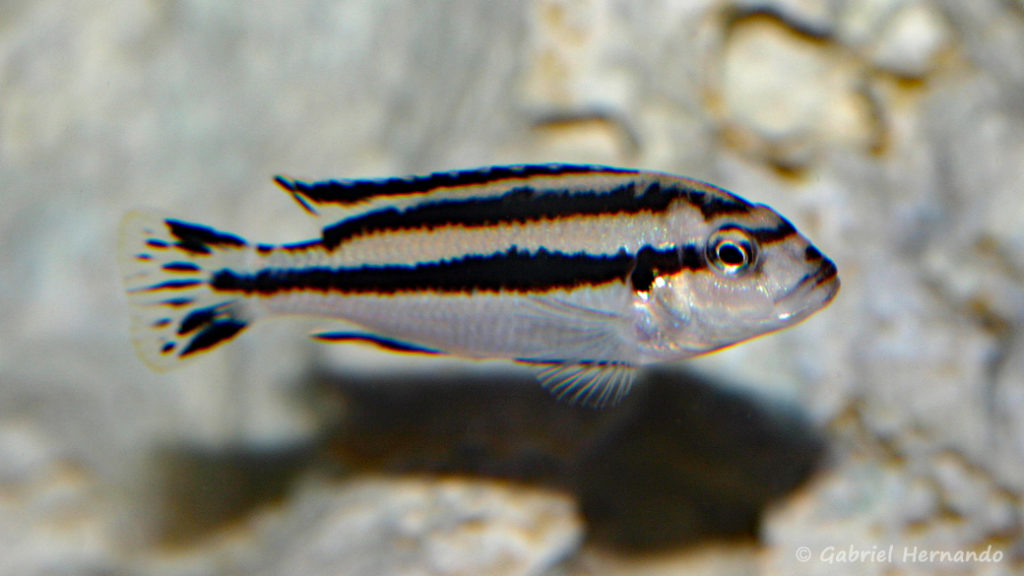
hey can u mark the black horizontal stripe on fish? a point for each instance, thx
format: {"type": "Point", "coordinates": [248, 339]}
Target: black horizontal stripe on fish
{"type": "Point", "coordinates": [354, 191]}
{"type": "Point", "coordinates": [512, 271]}
{"type": "Point", "coordinates": [651, 263]}
{"type": "Point", "coordinates": [718, 205]}
{"type": "Point", "coordinates": [522, 204]}
{"type": "Point", "coordinates": [827, 273]}
{"type": "Point", "coordinates": [812, 254]}
{"type": "Point", "coordinates": [770, 235]}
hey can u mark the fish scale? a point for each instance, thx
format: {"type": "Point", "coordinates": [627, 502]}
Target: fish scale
{"type": "Point", "coordinates": [586, 272]}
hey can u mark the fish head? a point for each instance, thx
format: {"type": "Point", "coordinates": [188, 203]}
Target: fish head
{"type": "Point", "coordinates": [753, 274]}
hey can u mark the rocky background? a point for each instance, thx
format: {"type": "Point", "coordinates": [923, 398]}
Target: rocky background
{"type": "Point", "coordinates": [890, 425]}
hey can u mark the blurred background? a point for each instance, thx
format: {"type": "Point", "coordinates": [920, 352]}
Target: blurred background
{"type": "Point", "coordinates": [891, 132]}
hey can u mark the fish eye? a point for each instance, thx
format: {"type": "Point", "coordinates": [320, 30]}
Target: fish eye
{"type": "Point", "coordinates": [731, 251]}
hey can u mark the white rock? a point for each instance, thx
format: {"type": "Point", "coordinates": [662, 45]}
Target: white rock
{"type": "Point", "coordinates": [783, 95]}
{"type": "Point", "coordinates": [911, 40]}
{"type": "Point", "coordinates": [413, 527]}
{"type": "Point", "coordinates": [23, 454]}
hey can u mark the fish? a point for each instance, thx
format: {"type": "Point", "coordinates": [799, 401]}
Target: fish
{"type": "Point", "coordinates": [586, 273]}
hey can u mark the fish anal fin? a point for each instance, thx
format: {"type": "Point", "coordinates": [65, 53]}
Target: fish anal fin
{"type": "Point", "coordinates": [390, 344]}
{"type": "Point", "coordinates": [592, 384]}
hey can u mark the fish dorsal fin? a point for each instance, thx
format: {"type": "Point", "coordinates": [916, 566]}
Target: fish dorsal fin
{"type": "Point", "coordinates": [336, 200]}
{"type": "Point", "coordinates": [298, 191]}
{"type": "Point", "coordinates": [315, 198]}
{"type": "Point", "coordinates": [330, 201]}
{"type": "Point", "coordinates": [593, 384]}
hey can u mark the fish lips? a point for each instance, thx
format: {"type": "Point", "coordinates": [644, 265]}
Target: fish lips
{"type": "Point", "coordinates": [812, 293]}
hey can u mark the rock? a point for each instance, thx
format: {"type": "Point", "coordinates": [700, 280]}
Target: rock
{"type": "Point", "coordinates": [911, 41]}
{"type": "Point", "coordinates": [819, 15]}
{"type": "Point", "coordinates": [784, 95]}
{"type": "Point", "coordinates": [874, 523]}
{"type": "Point", "coordinates": [23, 454]}
{"type": "Point", "coordinates": [411, 527]}
{"type": "Point", "coordinates": [401, 526]}
{"type": "Point", "coordinates": [51, 520]}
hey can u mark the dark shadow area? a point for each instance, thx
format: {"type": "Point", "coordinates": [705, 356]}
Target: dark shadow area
{"type": "Point", "coordinates": [201, 490]}
{"type": "Point", "coordinates": [681, 460]}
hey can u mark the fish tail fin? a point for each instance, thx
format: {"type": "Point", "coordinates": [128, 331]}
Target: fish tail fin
{"type": "Point", "coordinates": [168, 268]}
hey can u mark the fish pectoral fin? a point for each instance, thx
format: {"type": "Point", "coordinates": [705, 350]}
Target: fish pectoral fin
{"type": "Point", "coordinates": [593, 384]}
{"type": "Point", "coordinates": [568, 330]}
{"type": "Point", "coordinates": [380, 341]}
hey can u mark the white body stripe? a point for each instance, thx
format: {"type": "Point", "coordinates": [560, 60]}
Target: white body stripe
{"type": "Point", "coordinates": [596, 235]}
{"type": "Point", "coordinates": [521, 326]}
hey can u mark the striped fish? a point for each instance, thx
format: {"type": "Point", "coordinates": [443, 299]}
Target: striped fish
{"type": "Point", "coordinates": [585, 272]}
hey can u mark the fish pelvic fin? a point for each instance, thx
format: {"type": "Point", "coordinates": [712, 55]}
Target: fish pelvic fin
{"type": "Point", "coordinates": [167, 266]}
{"type": "Point", "coordinates": [591, 384]}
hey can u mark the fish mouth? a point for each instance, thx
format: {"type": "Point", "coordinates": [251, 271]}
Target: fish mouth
{"type": "Point", "coordinates": [812, 293]}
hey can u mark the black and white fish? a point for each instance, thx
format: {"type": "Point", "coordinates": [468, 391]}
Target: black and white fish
{"type": "Point", "coordinates": [586, 272]}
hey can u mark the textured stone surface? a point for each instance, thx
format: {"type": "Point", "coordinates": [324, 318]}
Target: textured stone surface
{"type": "Point", "coordinates": [891, 131]}
{"type": "Point", "coordinates": [382, 525]}
{"type": "Point", "coordinates": [414, 527]}
{"type": "Point", "coordinates": [50, 522]}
